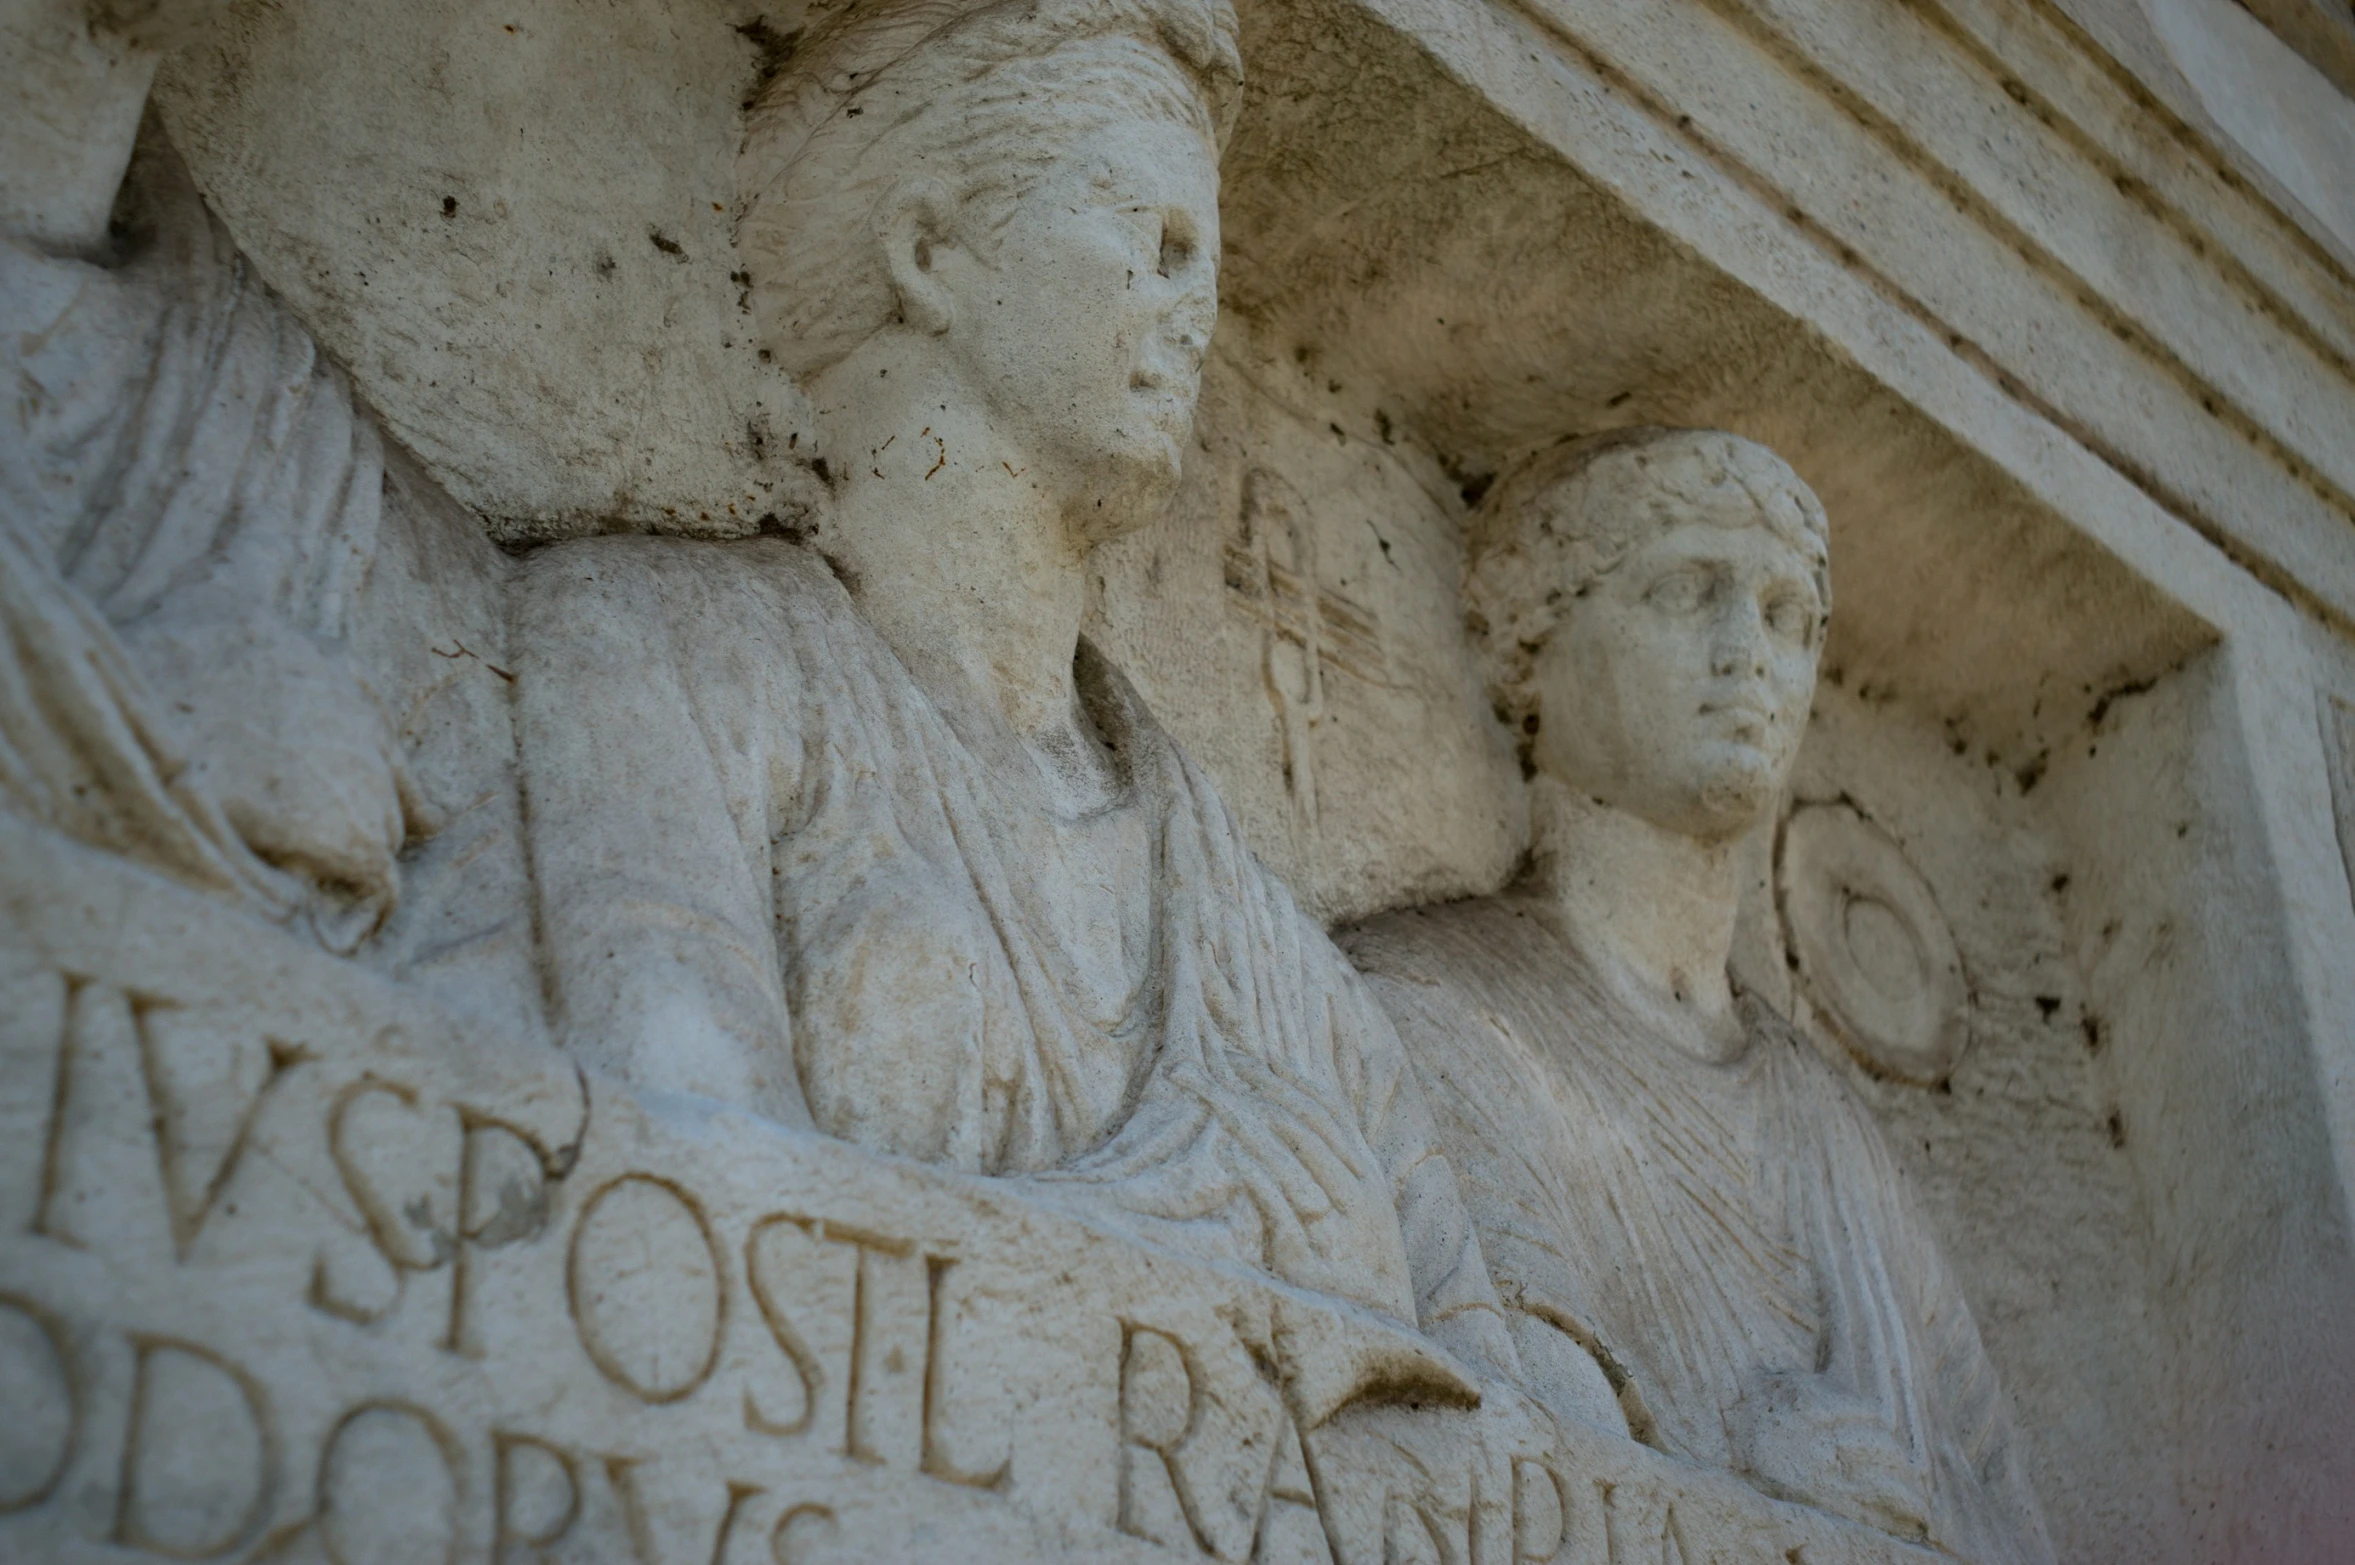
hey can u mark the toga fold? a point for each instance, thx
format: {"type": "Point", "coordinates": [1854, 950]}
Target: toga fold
{"type": "Point", "coordinates": [772, 871]}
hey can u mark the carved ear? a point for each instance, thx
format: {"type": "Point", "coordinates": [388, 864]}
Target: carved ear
{"type": "Point", "coordinates": [916, 223]}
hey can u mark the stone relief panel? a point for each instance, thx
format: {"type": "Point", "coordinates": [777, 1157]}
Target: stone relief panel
{"type": "Point", "coordinates": [1122, 1011]}
{"type": "Point", "coordinates": [1699, 1233]}
{"type": "Point", "coordinates": [300, 1267]}
{"type": "Point", "coordinates": [953, 1138]}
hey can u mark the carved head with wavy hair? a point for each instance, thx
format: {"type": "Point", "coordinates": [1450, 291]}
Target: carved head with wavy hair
{"type": "Point", "coordinates": [1032, 184]}
{"type": "Point", "coordinates": [1652, 604]}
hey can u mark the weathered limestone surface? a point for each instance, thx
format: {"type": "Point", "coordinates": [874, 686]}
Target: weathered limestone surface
{"type": "Point", "coordinates": [305, 1268]}
{"type": "Point", "coordinates": [1620, 1110]}
{"type": "Point", "coordinates": [806, 1030]}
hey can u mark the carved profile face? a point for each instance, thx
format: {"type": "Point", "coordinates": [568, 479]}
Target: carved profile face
{"type": "Point", "coordinates": [1084, 321]}
{"type": "Point", "coordinates": [1020, 197]}
{"type": "Point", "coordinates": [1676, 685]}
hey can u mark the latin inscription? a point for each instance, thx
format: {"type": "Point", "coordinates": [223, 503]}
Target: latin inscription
{"type": "Point", "coordinates": [274, 1294]}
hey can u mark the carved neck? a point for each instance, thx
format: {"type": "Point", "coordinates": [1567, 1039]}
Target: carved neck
{"type": "Point", "coordinates": [69, 116]}
{"type": "Point", "coordinates": [957, 546]}
{"type": "Point", "coordinates": [1654, 909]}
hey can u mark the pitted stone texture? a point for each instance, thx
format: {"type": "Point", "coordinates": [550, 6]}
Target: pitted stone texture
{"type": "Point", "coordinates": [660, 1326]}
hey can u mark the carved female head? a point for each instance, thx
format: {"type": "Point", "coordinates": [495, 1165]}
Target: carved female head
{"type": "Point", "coordinates": [1030, 184]}
{"type": "Point", "coordinates": [1652, 603]}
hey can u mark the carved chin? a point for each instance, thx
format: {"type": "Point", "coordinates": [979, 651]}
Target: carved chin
{"type": "Point", "coordinates": [1737, 792]}
{"type": "Point", "coordinates": [1160, 448]}
{"type": "Point", "coordinates": [1138, 477]}
{"type": "Point", "coordinates": [1161, 460]}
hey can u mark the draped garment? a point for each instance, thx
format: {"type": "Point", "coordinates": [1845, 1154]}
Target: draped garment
{"type": "Point", "coordinates": [1707, 1231]}
{"type": "Point", "coordinates": [174, 445]}
{"type": "Point", "coordinates": [771, 870]}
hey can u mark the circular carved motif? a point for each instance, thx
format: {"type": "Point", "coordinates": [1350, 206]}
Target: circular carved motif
{"type": "Point", "coordinates": [1874, 951]}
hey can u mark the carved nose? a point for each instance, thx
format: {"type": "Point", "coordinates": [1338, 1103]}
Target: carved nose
{"type": "Point", "coordinates": [1740, 644]}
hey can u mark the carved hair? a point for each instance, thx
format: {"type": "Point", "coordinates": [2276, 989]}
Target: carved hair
{"type": "Point", "coordinates": [981, 98]}
{"type": "Point", "coordinates": [1556, 522]}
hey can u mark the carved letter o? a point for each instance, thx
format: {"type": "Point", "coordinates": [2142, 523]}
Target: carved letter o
{"type": "Point", "coordinates": [648, 1288]}
{"type": "Point", "coordinates": [388, 1488]}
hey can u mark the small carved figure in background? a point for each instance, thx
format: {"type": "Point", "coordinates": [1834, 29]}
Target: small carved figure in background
{"type": "Point", "coordinates": [855, 830]}
{"type": "Point", "coordinates": [1671, 1184]}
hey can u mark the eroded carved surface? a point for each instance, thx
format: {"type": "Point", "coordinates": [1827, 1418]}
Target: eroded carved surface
{"type": "Point", "coordinates": [1872, 944]}
{"type": "Point", "coordinates": [856, 831]}
{"type": "Point", "coordinates": [1698, 1231]}
{"type": "Point", "coordinates": [681, 1332]}
{"type": "Point", "coordinates": [757, 1044]}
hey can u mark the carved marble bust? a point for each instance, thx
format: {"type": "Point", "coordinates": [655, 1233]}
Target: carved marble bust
{"type": "Point", "coordinates": [1670, 1184]}
{"type": "Point", "coordinates": [852, 828]}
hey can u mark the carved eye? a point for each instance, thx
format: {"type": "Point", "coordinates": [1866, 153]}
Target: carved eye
{"type": "Point", "coordinates": [1791, 616]}
{"type": "Point", "coordinates": [1679, 592]}
{"type": "Point", "coordinates": [1177, 247]}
